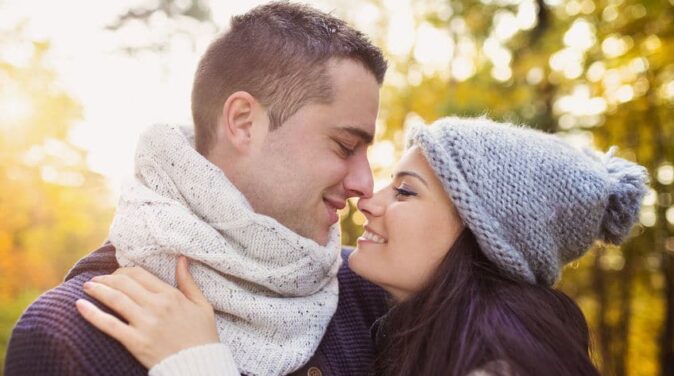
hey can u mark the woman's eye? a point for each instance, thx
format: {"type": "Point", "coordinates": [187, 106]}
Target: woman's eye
{"type": "Point", "coordinates": [403, 192]}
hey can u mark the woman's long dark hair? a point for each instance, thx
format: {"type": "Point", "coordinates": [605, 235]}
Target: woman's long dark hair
{"type": "Point", "coordinates": [470, 316]}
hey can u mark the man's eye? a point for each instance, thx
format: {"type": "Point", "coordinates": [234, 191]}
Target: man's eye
{"type": "Point", "coordinates": [346, 150]}
{"type": "Point", "coordinates": [403, 192]}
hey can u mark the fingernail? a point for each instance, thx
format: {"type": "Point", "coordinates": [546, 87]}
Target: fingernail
{"type": "Point", "coordinates": [97, 278]}
{"type": "Point", "coordinates": [88, 285]}
{"type": "Point", "coordinates": [83, 304]}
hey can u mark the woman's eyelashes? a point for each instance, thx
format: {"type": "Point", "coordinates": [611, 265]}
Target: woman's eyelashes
{"type": "Point", "coordinates": [403, 191]}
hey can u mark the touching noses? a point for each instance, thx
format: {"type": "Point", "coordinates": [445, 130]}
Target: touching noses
{"type": "Point", "coordinates": [358, 181]}
{"type": "Point", "coordinates": [373, 206]}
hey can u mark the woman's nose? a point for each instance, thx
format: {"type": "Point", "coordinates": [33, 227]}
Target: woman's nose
{"type": "Point", "coordinates": [372, 206]}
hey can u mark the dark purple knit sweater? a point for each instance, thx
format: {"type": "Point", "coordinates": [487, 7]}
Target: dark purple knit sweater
{"type": "Point", "coordinates": [51, 338]}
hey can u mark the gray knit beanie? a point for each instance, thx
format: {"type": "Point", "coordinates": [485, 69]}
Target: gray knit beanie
{"type": "Point", "coordinates": [533, 202]}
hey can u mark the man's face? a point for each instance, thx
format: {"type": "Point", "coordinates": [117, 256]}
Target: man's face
{"type": "Point", "coordinates": [306, 169]}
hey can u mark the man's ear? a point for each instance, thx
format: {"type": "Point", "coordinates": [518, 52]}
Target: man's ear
{"type": "Point", "coordinates": [239, 120]}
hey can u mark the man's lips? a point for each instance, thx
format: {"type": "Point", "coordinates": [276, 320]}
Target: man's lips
{"type": "Point", "coordinates": [333, 205]}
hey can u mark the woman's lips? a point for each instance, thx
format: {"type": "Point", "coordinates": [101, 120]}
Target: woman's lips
{"type": "Point", "coordinates": [371, 236]}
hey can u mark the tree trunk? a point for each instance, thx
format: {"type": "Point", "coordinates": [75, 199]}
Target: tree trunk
{"type": "Point", "coordinates": [603, 329]}
{"type": "Point", "coordinates": [667, 337]}
{"type": "Point", "coordinates": [621, 344]}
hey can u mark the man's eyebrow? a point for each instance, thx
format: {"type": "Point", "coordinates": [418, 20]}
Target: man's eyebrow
{"type": "Point", "coordinates": [402, 174]}
{"type": "Point", "coordinates": [364, 136]}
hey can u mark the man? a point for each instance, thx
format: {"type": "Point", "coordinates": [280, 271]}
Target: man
{"type": "Point", "coordinates": [285, 105]}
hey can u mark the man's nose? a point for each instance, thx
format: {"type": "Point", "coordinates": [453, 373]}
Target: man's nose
{"type": "Point", "coordinates": [358, 181]}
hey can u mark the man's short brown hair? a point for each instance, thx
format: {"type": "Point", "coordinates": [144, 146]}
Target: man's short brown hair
{"type": "Point", "coordinates": [277, 53]}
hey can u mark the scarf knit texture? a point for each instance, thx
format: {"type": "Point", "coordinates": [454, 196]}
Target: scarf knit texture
{"type": "Point", "coordinates": [273, 291]}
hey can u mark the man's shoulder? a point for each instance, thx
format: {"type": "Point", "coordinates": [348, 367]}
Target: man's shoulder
{"type": "Point", "coordinates": [51, 337]}
{"type": "Point", "coordinates": [100, 261]}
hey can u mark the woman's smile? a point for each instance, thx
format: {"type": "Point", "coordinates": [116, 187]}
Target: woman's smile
{"type": "Point", "coordinates": [371, 236]}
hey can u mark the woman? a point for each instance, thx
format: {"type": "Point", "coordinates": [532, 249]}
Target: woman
{"type": "Point", "coordinates": [468, 239]}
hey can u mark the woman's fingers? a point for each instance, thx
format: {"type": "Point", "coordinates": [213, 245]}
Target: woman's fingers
{"type": "Point", "coordinates": [126, 285]}
{"type": "Point", "coordinates": [186, 283]}
{"type": "Point", "coordinates": [146, 279]}
{"type": "Point", "coordinates": [114, 299]}
{"type": "Point", "coordinates": [106, 322]}
{"type": "Point", "coordinates": [162, 319]}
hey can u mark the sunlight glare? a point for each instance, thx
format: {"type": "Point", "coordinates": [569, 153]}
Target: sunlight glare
{"type": "Point", "coordinates": [17, 53]}
{"type": "Point", "coordinates": [652, 43]}
{"type": "Point", "coordinates": [401, 33]}
{"type": "Point", "coordinates": [667, 90]}
{"type": "Point", "coordinates": [463, 65]}
{"type": "Point", "coordinates": [433, 47]}
{"type": "Point", "coordinates": [501, 73]}
{"type": "Point", "coordinates": [580, 36]}
{"type": "Point", "coordinates": [610, 13]}
{"type": "Point", "coordinates": [669, 214]}
{"type": "Point", "coordinates": [580, 103]}
{"type": "Point", "coordinates": [596, 71]}
{"type": "Point", "coordinates": [665, 174]}
{"type": "Point", "coordinates": [647, 216]}
{"type": "Point", "coordinates": [14, 108]}
{"type": "Point", "coordinates": [650, 198]}
{"type": "Point", "coordinates": [382, 154]}
{"type": "Point", "coordinates": [499, 55]}
{"type": "Point", "coordinates": [535, 75]}
{"type": "Point", "coordinates": [527, 15]}
{"type": "Point", "coordinates": [505, 25]}
{"type": "Point", "coordinates": [579, 139]}
{"type": "Point", "coordinates": [569, 61]}
{"type": "Point", "coordinates": [639, 65]}
{"type": "Point", "coordinates": [614, 46]}
{"type": "Point", "coordinates": [462, 68]}
{"type": "Point", "coordinates": [62, 151]}
{"type": "Point", "coordinates": [625, 93]}
{"type": "Point", "coordinates": [611, 80]}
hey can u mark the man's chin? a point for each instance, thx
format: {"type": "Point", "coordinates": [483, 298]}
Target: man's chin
{"type": "Point", "coordinates": [321, 236]}
{"type": "Point", "coordinates": [322, 239]}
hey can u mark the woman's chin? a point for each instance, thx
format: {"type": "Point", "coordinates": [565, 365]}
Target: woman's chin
{"type": "Point", "coordinates": [356, 262]}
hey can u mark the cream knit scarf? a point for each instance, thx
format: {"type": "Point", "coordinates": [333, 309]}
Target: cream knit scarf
{"type": "Point", "coordinates": [274, 292]}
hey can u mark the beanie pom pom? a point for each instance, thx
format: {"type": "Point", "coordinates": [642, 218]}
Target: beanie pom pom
{"type": "Point", "coordinates": [626, 190]}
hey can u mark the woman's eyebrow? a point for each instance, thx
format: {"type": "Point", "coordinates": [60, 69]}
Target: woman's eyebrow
{"type": "Point", "coordinates": [402, 174]}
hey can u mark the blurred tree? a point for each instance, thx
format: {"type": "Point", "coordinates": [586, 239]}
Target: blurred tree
{"type": "Point", "coordinates": [182, 17]}
{"type": "Point", "coordinates": [53, 209]}
{"type": "Point", "coordinates": [596, 71]}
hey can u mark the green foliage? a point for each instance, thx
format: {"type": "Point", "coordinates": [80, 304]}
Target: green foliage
{"type": "Point", "coordinates": [9, 313]}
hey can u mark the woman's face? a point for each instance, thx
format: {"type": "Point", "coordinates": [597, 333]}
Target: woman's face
{"type": "Point", "coordinates": [411, 225]}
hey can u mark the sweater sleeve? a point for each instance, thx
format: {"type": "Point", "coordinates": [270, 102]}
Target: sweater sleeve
{"type": "Point", "coordinates": [35, 351]}
{"type": "Point", "coordinates": [207, 360]}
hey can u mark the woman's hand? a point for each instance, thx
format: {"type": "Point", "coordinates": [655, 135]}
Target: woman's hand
{"type": "Point", "coordinates": [162, 320]}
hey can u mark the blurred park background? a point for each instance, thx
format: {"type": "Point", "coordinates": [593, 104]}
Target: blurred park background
{"type": "Point", "coordinates": [79, 80]}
